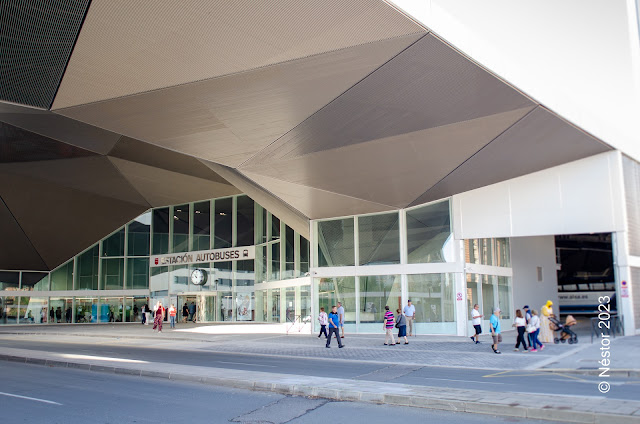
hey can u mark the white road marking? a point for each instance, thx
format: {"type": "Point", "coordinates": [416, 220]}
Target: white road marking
{"type": "Point", "coordinates": [30, 398]}
{"type": "Point", "coordinates": [244, 363]}
{"type": "Point", "coordinates": [102, 358]}
{"type": "Point", "coordinates": [463, 381]}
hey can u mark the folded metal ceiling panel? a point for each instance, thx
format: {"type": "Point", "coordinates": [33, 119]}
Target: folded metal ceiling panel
{"type": "Point", "coordinates": [18, 145]}
{"type": "Point", "coordinates": [281, 209]}
{"type": "Point", "coordinates": [539, 141]}
{"type": "Point", "coordinates": [426, 86]}
{"type": "Point", "coordinates": [394, 170]}
{"type": "Point", "coordinates": [16, 250]}
{"type": "Point", "coordinates": [36, 40]}
{"type": "Point", "coordinates": [61, 221]}
{"type": "Point", "coordinates": [229, 119]}
{"type": "Point", "coordinates": [162, 188]}
{"type": "Point", "coordinates": [129, 47]}
{"type": "Point", "coordinates": [316, 203]}
{"type": "Point", "coordinates": [95, 175]}
{"type": "Point", "coordinates": [152, 155]}
{"type": "Point", "coordinates": [57, 127]}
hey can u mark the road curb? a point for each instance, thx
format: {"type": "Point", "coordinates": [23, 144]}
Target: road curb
{"type": "Point", "coordinates": [429, 401]}
{"type": "Point", "coordinates": [633, 373]}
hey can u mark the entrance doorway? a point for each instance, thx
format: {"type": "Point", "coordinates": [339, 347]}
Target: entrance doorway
{"type": "Point", "coordinates": [186, 299]}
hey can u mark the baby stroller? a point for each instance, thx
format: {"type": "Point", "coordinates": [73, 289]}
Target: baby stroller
{"type": "Point", "coordinates": [562, 332]}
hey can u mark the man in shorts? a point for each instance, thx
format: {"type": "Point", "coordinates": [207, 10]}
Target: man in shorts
{"type": "Point", "coordinates": [476, 320]}
{"type": "Point", "coordinates": [494, 323]}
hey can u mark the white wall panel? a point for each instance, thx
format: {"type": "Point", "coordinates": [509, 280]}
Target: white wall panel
{"type": "Point", "coordinates": [482, 211]}
{"type": "Point", "coordinates": [534, 202]}
{"type": "Point", "coordinates": [579, 197]}
{"type": "Point", "coordinates": [527, 254]}
{"type": "Point", "coordinates": [580, 58]}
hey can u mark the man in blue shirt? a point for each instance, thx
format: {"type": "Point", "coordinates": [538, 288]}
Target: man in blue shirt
{"type": "Point", "coordinates": [494, 323]}
{"type": "Point", "coordinates": [334, 327]}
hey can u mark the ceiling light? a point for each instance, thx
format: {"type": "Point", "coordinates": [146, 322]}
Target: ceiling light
{"type": "Point", "coordinates": [222, 213]}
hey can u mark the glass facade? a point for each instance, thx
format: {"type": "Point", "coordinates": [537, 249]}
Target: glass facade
{"type": "Point", "coordinates": [429, 233]}
{"type": "Point", "coordinates": [366, 262]}
{"type": "Point", "coordinates": [414, 255]}
{"type": "Point", "coordinates": [118, 272]}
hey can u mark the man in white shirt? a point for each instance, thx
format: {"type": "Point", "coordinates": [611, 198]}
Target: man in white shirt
{"type": "Point", "coordinates": [409, 312]}
{"type": "Point", "coordinates": [476, 320]}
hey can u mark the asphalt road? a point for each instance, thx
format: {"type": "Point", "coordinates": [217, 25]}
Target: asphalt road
{"type": "Point", "coordinates": [461, 378]}
{"type": "Point", "coordinates": [36, 394]}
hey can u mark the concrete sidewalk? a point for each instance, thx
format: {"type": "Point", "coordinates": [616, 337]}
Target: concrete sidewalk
{"type": "Point", "coordinates": [592, 409]}
{"type": "Point", "coordinates": [432, 350]}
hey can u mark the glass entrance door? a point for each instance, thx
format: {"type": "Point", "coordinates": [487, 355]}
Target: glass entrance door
{"type": "Point", "coordinates": [206, 307]}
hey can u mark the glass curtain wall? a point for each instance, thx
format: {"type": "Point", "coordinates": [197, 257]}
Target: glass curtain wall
{"type": "Point", "coordinates": [429, 234]}
{"type": "Point", "coordinates": [376, 292]}
{"type": "Point", "coordinates": [121, 262]}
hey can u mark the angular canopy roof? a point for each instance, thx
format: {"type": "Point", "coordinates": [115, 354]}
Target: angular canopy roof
{"type": "Point", "coordinates": [314, 109]}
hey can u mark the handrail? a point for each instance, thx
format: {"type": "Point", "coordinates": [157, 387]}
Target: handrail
{"type": "Point", "coordinates": [296, 318]}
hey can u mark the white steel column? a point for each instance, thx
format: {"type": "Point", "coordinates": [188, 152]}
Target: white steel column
{"type": "Point", "coordinates": [622, 273]}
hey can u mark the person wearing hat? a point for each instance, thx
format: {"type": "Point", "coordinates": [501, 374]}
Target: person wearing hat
{"type": "Point", "coordinates": [494, 324]}
{"type": "Point", "coordinates": [410, 313]}
{"type": "Point", "coordinates": [546, 335]}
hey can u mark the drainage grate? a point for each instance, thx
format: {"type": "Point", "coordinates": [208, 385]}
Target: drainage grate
{"type": "Point", "coordinates": [36, 40]}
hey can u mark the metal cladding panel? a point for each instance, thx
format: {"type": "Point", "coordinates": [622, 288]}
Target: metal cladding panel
{"type": "Point", "coordinates": [427, 85]}
{"type": "Point", "coordinates": [229, 119]}
{"type": "Point", "coordinates": [394, 170]}
{"type": "Point", "coordinates": [73, 221]}
{"type": "Point", "coordinates": [16, 250]}
{"type": "Point", "coordinates": [152, 155]}
{"type": "Point", "coordinates": [96, 175]}
{"type": "Point", "coordinates": [635, 292]}
{"type": "Point", "coordinates": [36, 40]}
{"type": "Point", "coordinates": [316, 203]}
{"type": "Point", "coordinates": [631, 170]}
{"type": "Point", "coordinates": [18, 145]}
{"type": "Point", "coordinates": [57, 127]}
{"type": "Point", "coordinates": [161, 187]}
{"type": "Point", "coordinates": [129, 47]}
{"type": "Point", "coordinates": [294, 218]}
{"type": "Point", "coordinates": [539, 141]}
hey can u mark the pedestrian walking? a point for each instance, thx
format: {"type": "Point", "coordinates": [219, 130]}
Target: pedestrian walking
{"type": "Point", "coordinates": [185, 313]}
{"type": "Point", "coordinates": [157, 319]}
{"type": "Point", "coordinates": [476, 320]}
{"type": "Point", "coordinates": [410, 314]}
{"type": "Point", "coordinates": [323, 319]}
{"type": "Point", "coordinates": [546, 335]}
{"type": "Point", "coordinates": [172, 316]}
{"type": "Point", "coordinates": [401, 324]}
{"type": "Point", "coordinates": [534, 323]}
{"type": "Point", "coordinates": [521, 327]}
{"type": "Point", "coordinates": [147, 314]}
{"type": "Point", "coordinates": [341, 317]}
{"type": "Point", "coordinates": [334, 323]}
{"type": "Point", "coordinates": [192, 312]}
{"type": "Point", "coordinates": [494, 323]}
{"type": "Point", "coordinates": [387, 326]}
{"type": "Point", "coordinates": [527, 317]}
{"type": "Point", "coordinates": [143, 313]}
